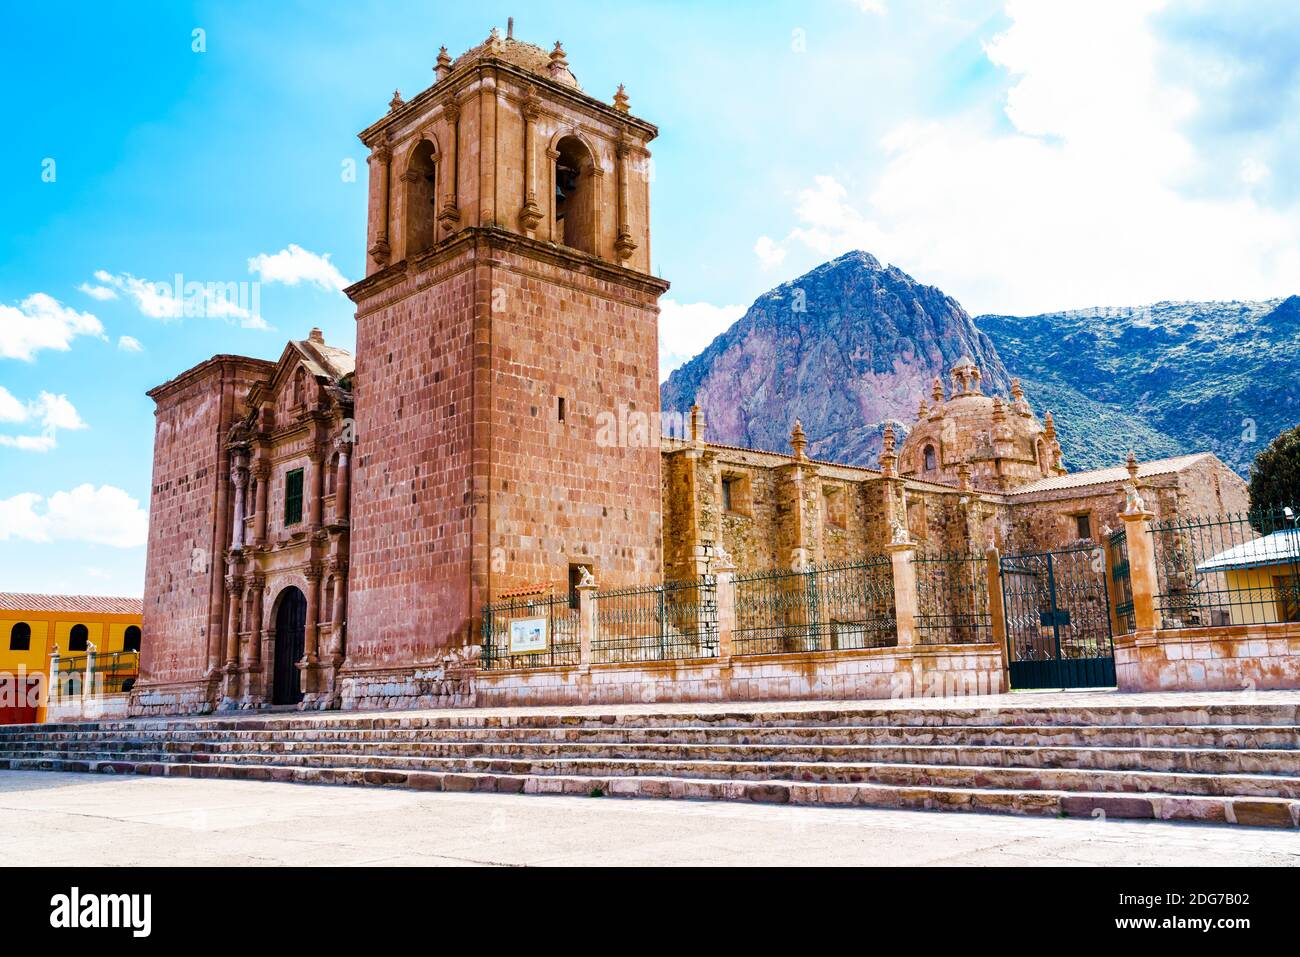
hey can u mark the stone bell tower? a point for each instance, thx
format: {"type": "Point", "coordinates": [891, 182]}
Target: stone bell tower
{"type": "Point", "coordinates": [507, 314]}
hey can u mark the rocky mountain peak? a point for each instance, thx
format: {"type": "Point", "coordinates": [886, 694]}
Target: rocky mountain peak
{"type": "Point", "coordinates": [844, 348]}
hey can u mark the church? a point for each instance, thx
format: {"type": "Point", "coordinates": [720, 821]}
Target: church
{"type": "Point", "coordinates": [331, 530]}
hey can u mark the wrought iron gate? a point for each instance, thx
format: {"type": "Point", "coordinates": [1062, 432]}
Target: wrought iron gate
{"type": "Point", "coordinates": [1057, 612]}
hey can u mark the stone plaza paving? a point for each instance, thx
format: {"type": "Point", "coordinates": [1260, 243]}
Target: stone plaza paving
{"type": "Point", "coordinates": [77, 819]}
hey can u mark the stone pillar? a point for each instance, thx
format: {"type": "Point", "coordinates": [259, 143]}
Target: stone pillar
{"type": "Point", "coordinates": [624, 246]}
{"type": "Point", "coordinates": [725, 577]}
{"type": "Point", "coordinates": [317, 493]}
{"type": "Point", "coordinates": [312, 639]}
{"type": "Point", "coordinates": [262, 472]}
{"type": "Point", "coordinates": [905, 599]}
{"type": "Point", "coordinates": [54, 692]}
{"type": "Point", "coordinates": [239, 478]}
{"type": "Point", "coordinates": [530, 214]}
{"type": "Point", "coordinates": [87, 688]}
{"type": "Point", "coordinates": [449, 215]}
{"type": "Point", "coordinates": [1142, 568]}
{"type": "Point", "coordinates": [379, 214]}
{"type": "Point", "coordinates": [586, 620]}
{"type": "Point", "coordinates": [235, 599]}
{"type": "Point", "coordinates": [339, 569]}
{"type": "Point", "coordinates": [343, 486]}
{"type": "Point", "coordinates": [253, 653]}
{"type": "Point", "coordinates": [997, 611]}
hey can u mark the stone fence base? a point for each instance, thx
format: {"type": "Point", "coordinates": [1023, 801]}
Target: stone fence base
{"type": "Point", "coordinates": [88, 708]}
{"type": "Point", "coordinates": [1221, 658]}
{"type": "Point", "coordinates": [935, 671]}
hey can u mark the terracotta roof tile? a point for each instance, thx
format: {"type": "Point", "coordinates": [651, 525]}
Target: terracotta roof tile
{"type": "Point", "coordinates": [94, 604]}
{"type": "Point", "coordinates": [1118, 473]}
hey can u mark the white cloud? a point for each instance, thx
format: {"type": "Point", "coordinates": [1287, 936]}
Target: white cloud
{"type": "Point", "coordinates": [1085, 200]}
{"type": "Point", "coordinates": [770, 253]}
{"type": "Point", "coordinates": [106, 515]}
{"type": "Point", "coordinates": [102, 293]}
{"type": "Point", "coordinates": [42, 322]}
{"type": "Point", "coordinates": [294, 264]}
{"type": "Point", "coordinates": [129, 344]}
{"type": "Point", "coordinates": [230, 301]}
{"type": "Point", "coordinates": [872, 6]}
{"type": "Point", "coordinates": [686, 328]}
{"type": "Point", "coordinates": [51, 412]}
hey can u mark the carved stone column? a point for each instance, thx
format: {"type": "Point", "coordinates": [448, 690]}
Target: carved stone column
{"type": "Point", "coordinates": [312, 638]}
{"type": "Point", "coordinates": [339, 569]}
{"type": "Point", "coordinates": [253, 652]}
{"type": "Point", "coordinates": [262, 472]}
{"type": "Point", "coordinates": [624, 246]}
{"type": "Point", "coordinates": [380, 158]}
{"type": "Point", "coordinates": [343, 484]}
{"type": "Point", "coordinates": [239, 478]}
{"type": "Point", "coordinates": [235, 598]}
{"type": "Point", "coordinates": [530, 215]}
{"type": "Point", "coordinates": [449, 215]}
{"type": "Point", "coordinates": [317, 493]}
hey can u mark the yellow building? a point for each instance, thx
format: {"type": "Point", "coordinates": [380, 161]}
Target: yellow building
{"type": "Point", "coordinates": [32, 627]}
{"type": "Point", "coordinates": [1260, 580]}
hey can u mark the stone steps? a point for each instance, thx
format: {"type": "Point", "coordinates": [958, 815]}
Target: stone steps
{"type": "Point", "coordinates": [832, 772]}
{"type": "Point", "coordinates": [1229, 763]}
{"type": "Point", "coordinates": [1255, 811]}
{"type": "Point", "coordinates": [1133, 736]}
{"type": "Point", "coordinates": [1165, 760]}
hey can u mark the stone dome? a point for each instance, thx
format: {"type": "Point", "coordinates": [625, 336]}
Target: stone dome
{"type": "Point", "coordinates": [971, 439]}
{"type": "Point", "coordinates": [527, 56]}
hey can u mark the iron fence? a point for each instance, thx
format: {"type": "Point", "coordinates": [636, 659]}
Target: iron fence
{"type": "Point", "coordinates": [657, 623]}
{"type": "Point", "coordinates": [1121, 586]}
{"type": "Point", "coordinates": [825, 607]}
{"type": "Point", "coordinates": [111, 672]}
{"type": "Point", "coordinates": [952, 597]}
{"type": "Point", "coordinates": [562, 644]}
{"type": "Point", "coordinates": [1237, 569]}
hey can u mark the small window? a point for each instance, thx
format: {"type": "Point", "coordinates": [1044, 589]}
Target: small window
{"type": "Point", "coordinates": [735, 494]}
{"type": "Point", "coordinates": [835, 511]}
{"type": "Point", "coordinates": [78, 638]}
{"type": "Point", "coordinates": [20, 637]}
{"type": "Point", "coordinates": [1082, 526]}
{"type": "Point", "coordinates": [293, 497]}
{"type": "Point", "coordinates": [560, 409]}
{"type": "Point", "coordinates": [131, 640]}
{"type": "Point", "coordinates": [931, 460]}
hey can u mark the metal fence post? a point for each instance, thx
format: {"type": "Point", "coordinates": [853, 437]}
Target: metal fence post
{"type": "Point", "coordinates": [1142, 569]}
{"type": "Point", "coordinates": [905, 600]}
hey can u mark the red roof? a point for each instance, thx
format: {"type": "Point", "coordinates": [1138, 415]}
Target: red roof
{"type": "Point", "coordinates": [95, 604]}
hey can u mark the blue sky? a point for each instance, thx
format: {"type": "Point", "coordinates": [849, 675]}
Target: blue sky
{"type": "Point", "coordinates": [1021, 156]}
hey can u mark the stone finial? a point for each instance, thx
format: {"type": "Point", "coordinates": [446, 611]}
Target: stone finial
{"type": "Point", "coordinates": [1132, 465]}
{"type": "Point", "coordinates": [316, 336]}
{"type": "Point", "coordinates": [888, 455]}
{"type": "Point", "coordinates": [798, 440]}
{"type": "Point", "coordinates": [396, 101]}
{"type": "Point", "coordinates": [999, 409]}
{"type": "Point", "coordinates": [697, 424]}
{"type": "Point", "coordinates": [620, 99]}
{"type": "Point", "coordinates": [1049, 427]}
{"type": "Point", "coordinates": [443, 67]}
{"type": "Point", "coordinates": [510, 28]}
{"type": "Point", "coordinates": [493, 41]}
{"type": "Point", "coordinates": [922, 410]}
{"type": "Point", "coordinates": [1017, 393]}
{"type": "Point", "coordinates": [936, 390]}
{"type": "Point", "coordinates": [964, 477]}
{"type": "Point", "coordinates": [558, 63]}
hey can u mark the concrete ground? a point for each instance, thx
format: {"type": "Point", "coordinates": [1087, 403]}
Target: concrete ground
{"type": "Point", "coordinates": [78, 819]}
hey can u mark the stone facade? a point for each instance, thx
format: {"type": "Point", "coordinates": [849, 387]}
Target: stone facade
{"type": "Point", "coordinates": [502, 414]}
